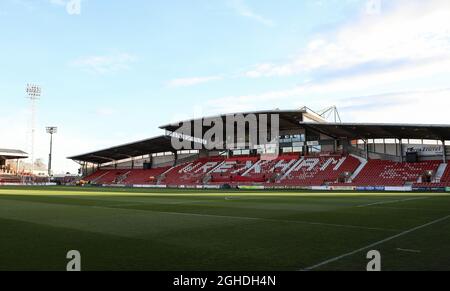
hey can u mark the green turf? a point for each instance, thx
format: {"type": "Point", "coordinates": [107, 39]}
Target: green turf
{"type": "Point", "coordinates": [129, 229]}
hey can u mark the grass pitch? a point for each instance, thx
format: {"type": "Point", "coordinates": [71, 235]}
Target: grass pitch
{"type": "Point", "coordinates": [138, 229]}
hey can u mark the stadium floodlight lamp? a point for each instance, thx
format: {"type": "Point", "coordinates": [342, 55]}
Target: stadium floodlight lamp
{"type": "Point", "coordinates": [33, 91]}
{"type": "Point", "coordinates": [51, 129]}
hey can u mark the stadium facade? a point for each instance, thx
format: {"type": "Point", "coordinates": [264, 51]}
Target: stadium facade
{"type": "Point", "coordinates": [304, 152]}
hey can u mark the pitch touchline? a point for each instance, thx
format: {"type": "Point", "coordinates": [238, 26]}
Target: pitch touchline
{"type": "Point", "coordinates": [391, 202]}
{"type": "Point", "coordinates": [232, 194]}
{"type": "Point", "coordinates": [375, 244]}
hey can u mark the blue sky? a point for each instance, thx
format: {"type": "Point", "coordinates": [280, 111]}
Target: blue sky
{"type": "Point", "coordinates": [112, 71]}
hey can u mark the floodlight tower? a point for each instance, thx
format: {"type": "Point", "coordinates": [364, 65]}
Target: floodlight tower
{"type": "Point", "coordinates": [33, 93]}
{"type": "Point", "coordinates": [51, 130]}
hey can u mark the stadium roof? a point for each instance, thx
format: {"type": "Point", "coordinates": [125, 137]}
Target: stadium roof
{"type": "Point", "coordinates": [289, 119]}
{"type": "Point", "coordinates": [12, 154]}
{"type": "Point", "coordinates": [381, 130]}
{"type": "Point", "coordinates": [154, 145]}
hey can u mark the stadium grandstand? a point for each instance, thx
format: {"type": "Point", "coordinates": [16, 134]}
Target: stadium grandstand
{"type": "Point", "coordinates": [310, 153]}
{"type": "Point", "coordinates": [9, 165]}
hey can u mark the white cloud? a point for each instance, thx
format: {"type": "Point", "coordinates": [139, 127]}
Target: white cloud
{"type": "Point", "coordinates": [420, 106]}
{"type": "Point", "coordinates": [398, 48]}
{"type": "Point", "coordinates": [416, 106]}
{"type": "Point", "coordinates": [373, 7]}
{"type": "Point", "coordinates": [73, 7]}
{"type": "Point", "coordinates": [245, 11]}
{"type": "Point", "coordinates": [184, 82]}
{"type": "Point", "coordinates": [105, 64]}
{"type": "Point", "coordinates": [328, 88]}
{"type": "Point", "coordinates": [412, 32]}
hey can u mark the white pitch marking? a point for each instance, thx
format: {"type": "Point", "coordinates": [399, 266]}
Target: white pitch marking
{"type": "Point", "coordinates": [275, 220]}
{"type": "Point", "coordinates": [187, 202]}
{"type": "Point", "coordinates": [391, 202]}
{"type": "Point", "coordinates": [231, 198]}
{"type": "Point", "coordinates": [253, 218]}
{"type": "Point", "coordinates": [409, 251]}
{"type": "Point", "coordinates": [158, 203]}
{"type": "Point", "coordinates": [375, 244]}
{"type": "Point", "coordinates": [413, 209]}
{"type": "Point", "coordinates": [122, 205]}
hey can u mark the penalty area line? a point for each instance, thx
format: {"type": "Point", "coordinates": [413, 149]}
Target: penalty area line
{"type": "Point", "coordinates": [375, 244]}
{"type": "Point", "coordinates": [392, 202]}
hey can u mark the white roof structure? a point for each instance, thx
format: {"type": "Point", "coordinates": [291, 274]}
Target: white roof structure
{"type": "Point", "coordinates": [8, 154]}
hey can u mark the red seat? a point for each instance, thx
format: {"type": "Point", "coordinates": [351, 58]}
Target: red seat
{"type": "Point", "coordinates": [388, 173]}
